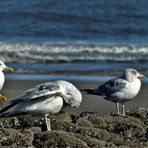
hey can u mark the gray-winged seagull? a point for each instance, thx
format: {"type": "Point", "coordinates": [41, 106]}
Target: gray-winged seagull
{"type": "Point", "coordinates": [120, 89]}
{"type": "Point", "coordinates": [44, 99]}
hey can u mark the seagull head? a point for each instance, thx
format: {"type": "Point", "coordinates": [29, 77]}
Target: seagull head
{"type": "Point", "coordinates": [71, 95]}
{"type": "Point", "coordinates": [73, 99]}
{"type": "Point", "coordinates": [5, 68]}
{"type": "Point", "coordinates": [132, 74]}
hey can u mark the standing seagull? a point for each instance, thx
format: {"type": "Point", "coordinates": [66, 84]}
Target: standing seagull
{"type": "Point", "coordinates": [4, 68]}
{"type": "Point", "coordinates": [120, 89]}
{"type": "Point", "coordinates": [44, 99]}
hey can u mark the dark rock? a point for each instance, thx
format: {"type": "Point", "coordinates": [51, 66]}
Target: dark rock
{"type": "Point", "coordinates": [97, 121]}
{"type": "Point", "coordinates": [58, 139]}
{"type": "Point", "coordinates": [63, 116]}
{"type": "Point", "coordinates": [77, 130]}
{"type": "Point", "coordinates": [84, 123]}
{"type": "Point", "coordinates": [94, 142]}
{"type": "Point", "coordinates": [12, 122]}
{"type": "Point", "coordinates": [28, 121]}
{"type": "Point", "coordinates": [139, 112]}
{"type": "Point", "coordinates": [35, 130]}
{"type": "Point", "coordinates": [71, 127]}
{"type": "Point", "coordinates": [94, 133]}
{"type": "Point", "coordinates": [64, 125]}
{"type": "Point", "coordinates": [127, 126]}
{"type": "Point", "coordinates": [16, 138]}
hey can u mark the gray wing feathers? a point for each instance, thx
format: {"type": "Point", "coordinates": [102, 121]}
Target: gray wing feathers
{"type": "Point", "coordinates": [40, 91]}
{"type": "Point", "coordinates": [45, 89]}
{"type": "Point", "coordinates": [111, 87]}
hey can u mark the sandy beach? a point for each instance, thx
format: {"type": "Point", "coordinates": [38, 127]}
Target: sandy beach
{"type": "Point", "coordinates": [90, 103]}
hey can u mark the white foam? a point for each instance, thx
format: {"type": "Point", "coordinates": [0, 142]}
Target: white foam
{"type": "Point", "coordinates": [70, 52]}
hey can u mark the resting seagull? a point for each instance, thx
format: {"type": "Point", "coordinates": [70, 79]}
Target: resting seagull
{"type": "Point", "coordinates": [120, 89]}
{"type": "Point", "coordinates": [4, 68]}
{"type": "Point", "coordinates": [44, 99]}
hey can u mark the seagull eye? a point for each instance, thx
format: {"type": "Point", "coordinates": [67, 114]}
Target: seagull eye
{"type": "Point", "coordinates": [68, 94]}
{"type": "Point", "coordinates": [134, 72]}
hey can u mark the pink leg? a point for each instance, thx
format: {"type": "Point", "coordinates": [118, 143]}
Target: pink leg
{"type": "Point", "coordinates": [47, 120]}
{"type": "Point", "coordinates": [123, 110]}
{"type": "Point", "coordinates": [117, 108]}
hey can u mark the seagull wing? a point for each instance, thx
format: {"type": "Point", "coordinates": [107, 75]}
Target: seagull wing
{"type": "Point", "coordinates": [112, 86]}
{"type": "Point", "coordinates": [40, 91]}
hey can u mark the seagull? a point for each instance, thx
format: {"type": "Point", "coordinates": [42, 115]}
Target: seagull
{"type": "Point", "coordinates": [120, 89]}
{"type": "Point", "coordinates": [4, 68]}
{"type": "Point", "coordinates": [44, 99]}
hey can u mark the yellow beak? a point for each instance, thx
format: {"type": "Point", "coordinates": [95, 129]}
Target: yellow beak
{"type": "Point", "coordinates": [8, 69]}
{"type": "Point", "coordinates": [60, 94]}
{"type": "Point", "coordinates": [3, 98]}
{"type": "Point", "coordinates": [141, 75]}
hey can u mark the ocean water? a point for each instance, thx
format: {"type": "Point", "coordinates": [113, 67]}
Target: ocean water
{"type": "Point", "coordinates": [74, 40]}
{"type": "Point", "coordinates": [86, 42]}
{"type": "Point", "coordinates": [89, 71]}
{"type": "Point", "coordinates": [102, 21]}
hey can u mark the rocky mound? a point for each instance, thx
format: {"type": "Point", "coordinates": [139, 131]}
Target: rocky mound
{"type": "Point", "coordinates": [77, 130]}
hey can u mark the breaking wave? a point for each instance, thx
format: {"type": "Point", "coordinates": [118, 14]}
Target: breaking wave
{"type": "Point", "coordinates": [48, 52]}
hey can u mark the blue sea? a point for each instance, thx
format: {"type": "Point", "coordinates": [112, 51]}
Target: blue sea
{"type": "Point", "coordinates": [86, 42]}
{"type": "Point", "coordinates": [78, 40]}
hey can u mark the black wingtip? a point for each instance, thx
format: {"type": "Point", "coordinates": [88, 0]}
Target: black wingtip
{"type": "Point", "coordinates": [3, 115]}
{"type": "Point", "coordinates": [3, 110]}
{"type": "Point", "coordinates": [88, 91]}
{"type": "Point", "coordinates": [83, 90]}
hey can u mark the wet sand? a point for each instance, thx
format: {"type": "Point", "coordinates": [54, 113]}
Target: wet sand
{"type": "Point", "coordinates": [91, 103]}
